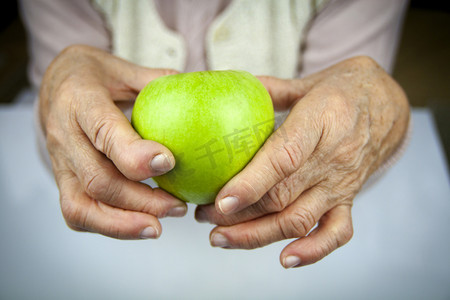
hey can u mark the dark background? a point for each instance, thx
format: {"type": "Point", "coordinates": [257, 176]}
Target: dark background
{"type": "Point", "coordinates": [422, 67]}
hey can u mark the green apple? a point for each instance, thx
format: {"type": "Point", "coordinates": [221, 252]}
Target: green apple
{"type": "Point", "coordinates": [213, 122]}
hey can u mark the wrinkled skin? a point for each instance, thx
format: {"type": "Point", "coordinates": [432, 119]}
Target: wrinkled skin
{"type": "Point", "coordinates": [97, 157]}
{"type": "Point", "coordinates": [343, 124]}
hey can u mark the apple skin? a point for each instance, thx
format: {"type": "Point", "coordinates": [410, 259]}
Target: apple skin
{"type": "Point", "coordinates": [213, 122]}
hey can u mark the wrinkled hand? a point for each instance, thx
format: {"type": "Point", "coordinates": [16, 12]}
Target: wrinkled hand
{"type": "Point", "coordinates": [344, 123]}
{"type": "Point", "coordinates": [97, 157]}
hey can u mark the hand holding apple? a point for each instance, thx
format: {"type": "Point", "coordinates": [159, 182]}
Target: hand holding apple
{"type": "Point", "coordinates": [345, 122]}
{"type": "Point", "coordinates": [97, 157]}
{"type": "Point", "coordinates": [213, 122]}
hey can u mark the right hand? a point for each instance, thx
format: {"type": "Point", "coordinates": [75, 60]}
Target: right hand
{"type": "Point", "coordinates": [97, 157]}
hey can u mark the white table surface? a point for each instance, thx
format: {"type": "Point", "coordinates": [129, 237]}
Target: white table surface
{"type": "Point", "coordinates": [400, 248]}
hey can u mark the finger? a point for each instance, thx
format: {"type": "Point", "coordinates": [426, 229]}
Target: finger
{"type": "Point", "coordinates": [209, 214]}
{"type": "Point", "coordinates": [294, 221]}
{"type": "Point", "coordinates": [127, 79]}
{"type": "Point", "coordinates": [284, 92]}
{"type": "Point", "coordinates": [276, 199]}
{"type": "Point", "coordinates": [137, 77]}
{"type": "Point", "coordinates": [112, 134]}
{"type": "Point", "coordinates": [123, 78]}
{"type": "Point", "coordinates": [286, 150]}
{"type": "Point", "coordinates": [334, 230]}
{"type": "Point", "coordinates": [83, 213]}
{"type": "Point", "coordinates": [101, 181]}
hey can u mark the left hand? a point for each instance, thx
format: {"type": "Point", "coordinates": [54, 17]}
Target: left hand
{"type": "Point", "coordinates": [344, 123]}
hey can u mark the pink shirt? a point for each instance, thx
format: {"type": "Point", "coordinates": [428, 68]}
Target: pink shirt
{"type": "Point", "coordinates": [342, 29]}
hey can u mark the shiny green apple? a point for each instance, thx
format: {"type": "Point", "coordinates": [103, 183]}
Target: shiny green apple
{"type": "Point", "coordinates": [213, 122]}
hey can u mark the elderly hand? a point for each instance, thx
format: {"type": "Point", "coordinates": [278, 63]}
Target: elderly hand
{"type": "Point", "coordinates": [344, 123]}
{"type": "Point", "coordinates": [97, 157]}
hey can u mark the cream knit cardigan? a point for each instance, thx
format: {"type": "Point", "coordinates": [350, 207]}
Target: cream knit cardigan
{"type": "Point", "coordinates": [263, 37]}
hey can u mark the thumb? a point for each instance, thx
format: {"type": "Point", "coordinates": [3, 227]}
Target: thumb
{"type": "Point", "coordinates": [111, 133]}
{"type": "Point", "coordinates": [139, 76]}
{"type": "Point", "coordinates": [286, 150]}
{"type": "Point", "coordinates": [285, 93]}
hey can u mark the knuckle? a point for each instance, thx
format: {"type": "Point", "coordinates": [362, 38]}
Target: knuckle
{"type": "Point", "coordinates": [67, 87]}
{"type": "Point", "coordinates": [103, 134]}
{"type": "Point", "coordinates": [343, 186]}
{"type": "Point", "coordinates": [322, 250]}
{"type": "Point", "coordinates": [100, 186]}
{"type": "Point", "coordinates": [55, 132]}
{"type": "Point", "coordinates": [345, 235]}
{"type": "Point", "coordinates": [337, 110]}
{"type": "Point", "coordinates": [134, 167]}
{"type": "Point", "coordinates": [351, 153]}
{"type": "Point", "coordinates": [278, 197]}
{"type": "Point", "coordinates": [96, 185]}
{"type": "Point", "coordinates": [67, 209]}
{"type": "Point", "coordinates": [329, 245]}
{"type": "Point", "coordinates": [349, 156]}
{"type": "Point", "coordinates": [297, 223]}
{"type": "Point", "coordinates": [248, 189]}
{"type": "Point", "coordinates": [339, 115]}
{"type": "Point", "coordinates": [113, 230]}
{"type": "Point", "coordinates": [337, 237]}
{"type": "Point", "coordinates": [53, 137]}
{"type": "Point", "coordinates": [251, 240]}
{"type": "Point", "coordinates": [73, 214]}
{"type": "Point", "coordinates": [352, 183]}
{"type": "Point", "coordinates": [156, 208]}
{"type": "Point", "coordinates": [287, 159]}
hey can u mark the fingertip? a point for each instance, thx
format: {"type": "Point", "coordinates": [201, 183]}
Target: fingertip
{"type": "Point", "coordinates": [243, 190]}
{"type": "Point", "coordinates": [143, 76]}
{"type": "Point", "coordinates": [150, 232]}
{"type": "Point", "coordinates": [218, 239]}
{"type": "Point", "coordinates": [227, 205]}
{"type": "Point", "coordinates": [157, 73]}
{"type": "Point", "coordinates": [177, 211]}
{"type": "Point", "coordinates": [291, 261]}
{"type": "Point", "coordinates": [162, 163]}
{"type": "Point", "coordinates": [164, 204]}
{"type": "Point", "coordinates": [201, 216]}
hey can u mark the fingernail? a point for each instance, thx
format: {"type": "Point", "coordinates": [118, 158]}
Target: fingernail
{"type": "Point", "coordinates": [228, 204]}
{"type": "Point", "coordinates": [178, 211]}
{"type": "Point", "coordinates": [219, 240]}
{"type": "Point", "coordinates": [201, 216]}
{"type": "Point", "coordinates": [162, 163]}
{"type": "Point", "coordinates": [149, 233]}
{"type": "Point", "coordinates": [291, 261]}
